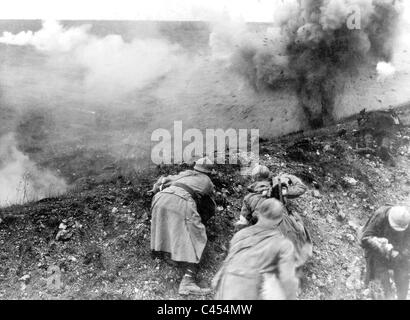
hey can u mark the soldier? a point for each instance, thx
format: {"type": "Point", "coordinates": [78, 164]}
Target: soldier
{"type": "Point", "coordinates": [386, 241]}
{"type": "Point", "coordinates": [180, 208]}
{"type": "Point", "coordinates": [292, 225]}
{"type": "Point", "coordinates": [260, 264]}
{"type": "Point", "coordinates": [259, 191]}
{"type": "Point", "coordinates": [378, 130]}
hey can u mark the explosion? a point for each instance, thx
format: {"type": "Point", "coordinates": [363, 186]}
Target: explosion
{"type": "Point", "coordinates": [305, 58]}
{"type": "Point", "coordinates": [318, 45]}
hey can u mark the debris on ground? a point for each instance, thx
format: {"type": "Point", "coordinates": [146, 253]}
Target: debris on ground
{"type": "Point", "coordinates": [94, 242]}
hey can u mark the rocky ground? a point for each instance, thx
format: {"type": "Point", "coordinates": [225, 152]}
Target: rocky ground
{"type": "Point", "coordinates": [93, 243]}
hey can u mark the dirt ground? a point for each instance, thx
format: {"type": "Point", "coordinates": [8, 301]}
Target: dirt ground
{"type": "Point", "coordinates": [93, 243]}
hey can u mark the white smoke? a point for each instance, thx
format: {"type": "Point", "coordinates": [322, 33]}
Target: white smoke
{"type": "Point", "coordinates": [111, 66]}
{"type": "Point", "coordinates": [385, 70]}
{"type": "Point", "coordinates": [226, 35]}
{"type": "Point", "coordinates": [52, 37]}
{"type": "Point", "coordinates": [73, 69]}
{"type": "Point", "coordinates": [21, 180]}
{"type": "Point", "coordinates": [126, 66]}
{"type": "Point", "coordinates": [248, 52]}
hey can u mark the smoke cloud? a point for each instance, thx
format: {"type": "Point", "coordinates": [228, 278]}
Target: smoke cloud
{"type": "Point", "coordinates": [307, 54]}
{"type": "Point", "coordinates": [316, 46]}
{"type": "Point", "coordinates": [83, 76]}
{"type": "Point", "coordinates": [107, 67]}
{"type": "Point", "coordinates": [21, 180]}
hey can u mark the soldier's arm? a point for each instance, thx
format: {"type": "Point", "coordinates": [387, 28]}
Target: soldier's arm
{"type": "Point", "coordinates": [296, 188]}
{"type": "Point", "coordinates": [371, 231]}
{"type": "Point", "coordinates": [287, 270]}
{"type": "Point", "coordinates": [163, 182]}
{"type": "Point", "coordinates": [157, 185]}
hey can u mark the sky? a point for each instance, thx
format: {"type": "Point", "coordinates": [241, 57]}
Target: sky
{"type": "Point", "coordinates": [249, 10]}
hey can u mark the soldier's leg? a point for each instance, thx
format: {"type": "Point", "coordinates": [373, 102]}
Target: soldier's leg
{"type": "Point", "coordinates": [168, 260]}
{"type": "Point", "coordinates": [382, 274]}
{"type": "Point", "coordinates": [401, 279]}
{"type": "Point", "coordinates": [188, 284]}
{"type": "Point", "coordinates": [387, 288]}
{"type": "Point", "coordinates": [157, 254]}
{"type": "Point", "coordinates": [191, 270]}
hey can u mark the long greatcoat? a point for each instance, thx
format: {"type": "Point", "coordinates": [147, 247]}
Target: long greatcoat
{"type": "Point", "coordinates": [292, 225]}
{"type": "Point", "coordinates": [260, 265]}
{"type": "Point", "coordinates": [176, 226]}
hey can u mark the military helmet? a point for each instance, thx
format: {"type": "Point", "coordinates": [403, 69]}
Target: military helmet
{"type": "Point", "coordinates": [399, 218]}
{"type": "Point", "coordinates": [260, 173]}
{"type": "Point", "coordinates": [204, 165]}
{"type": "Point", "coordinates": [272, 210]}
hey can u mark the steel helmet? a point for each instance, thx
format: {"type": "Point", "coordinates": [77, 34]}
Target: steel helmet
{"type": "Point", "coordinates": [272, 210]}
{"type": "Point", "coordinates": [204, 165]}
{"type": "Point", "coordinates": [260, 172]}
{"type": "Point", "coordinates": [399, 218]}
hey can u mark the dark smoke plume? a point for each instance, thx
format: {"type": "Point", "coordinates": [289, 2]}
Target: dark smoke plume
{"type": "Point", "coordinates": [318, 46]}
{"type": "Point", "coordinates": [322, 56]}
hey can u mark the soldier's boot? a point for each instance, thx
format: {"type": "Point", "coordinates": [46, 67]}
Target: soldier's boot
{"type": "Point", "coordinates": [189, 287]}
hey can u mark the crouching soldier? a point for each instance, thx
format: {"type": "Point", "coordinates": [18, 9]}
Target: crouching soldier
{"type": "Point", "coordinates": [386, 241]}
{"type": "Point", "coordinates": [179, 209]}
{"type": "Point", "coordinates": [260, 264]}
{"type": "Point", "coordinates": [292, 225]}
{"type": "Point", "coordinates": [259, 190]}
{"type": "Point", "coordinates": [287, 187]}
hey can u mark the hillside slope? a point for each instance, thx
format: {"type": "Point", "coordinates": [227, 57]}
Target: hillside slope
{"type": "Point", "coordinates": [93, 243]}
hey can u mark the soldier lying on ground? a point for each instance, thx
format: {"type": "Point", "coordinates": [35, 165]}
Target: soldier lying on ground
{"type": "Point", "coordinates": [260, 264]}
{"type": "Point", "coordinates": [386, 241]}
{"type": "Point", "coordinates": [378, 130]}
{"type": "Point", "coordinates": [292, 225]}
{"type": "Point", "coordinates": [259, 190]}
{"type": "Point", "coordinates": [180, 208]}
